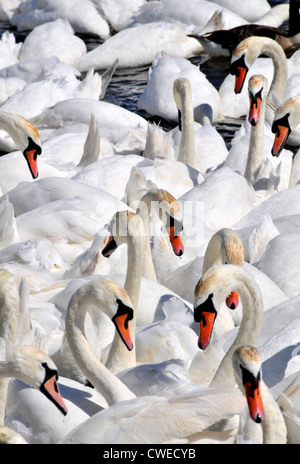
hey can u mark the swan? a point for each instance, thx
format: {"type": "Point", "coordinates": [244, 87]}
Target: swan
{"type": "Point", "coordinates": [200, 147]}
{"type": "Point", "coordinates": [84, 19]}
{"type": "Point", "coordinates": [263, 408]}
{"type": "Point", "coordinates": [54, 38]}
{"type": "Point", "coordinates": [119, 397]}
{"type": "Point", "coordinates": [286, 120]}
{"type": "Point", "coordinates": [115, 302]}
{"type": "Point", "coordinates": [163, 36]}
{"type": "Point", "coordinates": [280, 72]}
{"type": "Point", "coordinates": [25, 137]}
{"type": "Point", "coordinates": [157, 97]}
{"type": "Point", "coordinates": [26, 363]}
{"type": "Point", "coordinates": [210, 292]}
{"type": "Point", "coordinates": [255, 161]}
{"type": "Point", "coordinates": [245, 55]}
{"type": "Point", "coordinates": [196, 17]}
{"type": "Point", "coordinates": [135, 232]}
{"type": "Point", "coordinates": [34, 368]}
{"type": "Point", "coordinates": [224, 41]}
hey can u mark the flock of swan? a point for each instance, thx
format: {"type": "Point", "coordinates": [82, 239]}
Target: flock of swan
{"type": "Point", "coordinates": [149, 284]}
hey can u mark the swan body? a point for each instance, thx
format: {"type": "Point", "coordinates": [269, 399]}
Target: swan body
{"type": "Point", "coordinates": [53, 39]}
{"type": "Point", "coordinates": [157, 97]}
{"type": "Point", "coordinates": [85, 19]}
{"type": "Point", "coordinates": [164, 36]}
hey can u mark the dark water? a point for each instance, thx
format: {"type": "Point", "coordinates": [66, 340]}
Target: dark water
{"type": "Point", "coordinates": [128, 84]}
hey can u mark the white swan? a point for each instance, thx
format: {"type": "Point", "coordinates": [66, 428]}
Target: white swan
{"type": "Point", "coordinates": [114, 300]}
{"type": "Point", "coordinates": [161, 36]}
{"type": "Point", "coordinates": [20, 361]}
{"type": "Point", "coordinates": [117, 394]}
{"type": "Point", "coordinates": [280, 72]}
{"type": "Point", "coordinates": [250, 153]}
{"type": "Point", "coordinates": [210, 292]}
{"type": "Point", "coordinates": [25, 136]}
{"type": "Point", "coordinates": [246, 53]}
{"type": "Point", "coordinates": [286, 121]}
{"type": "Point", "coordinates": [262, 406]}
{"type": "Point", "coordinates": [157, 96]}
{"type": "Point", "coordinates": [83, 18]}
{"type": "Point", "coordinates": [200, 147]}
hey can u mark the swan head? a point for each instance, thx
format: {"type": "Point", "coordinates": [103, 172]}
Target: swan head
{"type": "Point", "coordinates": [123, 226]}
{"type": "Point", "coordinates": [214, 287]}
{"type": "Point", "coordinates": [287, 117]}
{"type": "Point", "coordinates": [247, 369]}
{"type": "Point", "coordinates": [231, 252]}
{"type": "Point", "coordinates": [257, 87]}
{"type": "Point", "coordinates": [28, 140]}
{"type": "Point", "coordinates": [36, 369]}
{"type": "Point", "coordinates": [244, 55]}
{"type": "Point", "coordinates": [159, 203]}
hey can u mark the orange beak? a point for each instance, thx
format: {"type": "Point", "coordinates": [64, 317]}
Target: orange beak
{"type": "Point", "coordinates": [281, 137]}
{"type": "Point", "coordinates": [232, 300]}
{"type": "Point", "coordinates": [31, 158]}
{"type": "Point", "coordinates": [254, 401]}
{"type": "Point", "coordinates": [206, 327]}
{"type": "Point", "coordinates": [121, 323]}
{"type": "Point", "coordinates": [176, 242]}
{"type": "Point", "coordinates": [240, 79]}
{"type": "Point", "coordinates": [254, 111]}
{"type": "Point", "coordinates": [51, 390]}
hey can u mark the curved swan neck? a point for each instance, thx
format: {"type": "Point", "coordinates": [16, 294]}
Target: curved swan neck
{"type": "Point", "coordinates": [278, 85]}
{"type": "Point", "coordinates": [249, 329]}
{"type": "Point", "coordinates": [187, 152]}
{"type": "Point", "coordinates": [103, 380]}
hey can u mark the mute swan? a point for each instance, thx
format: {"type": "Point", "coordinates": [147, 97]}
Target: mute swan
{"type": "Point", "coordinates": [224, 41]}
{"type": "Point", "coordinates": [54, 38]}
{"type": "Point", "coordinates": [286, 120]}
{"type": "Point", "coordinates": [210, 292]}
{"type": "Point", "coordinates": [135, 232]}
{"type": "Point", "coordinates": [25, 136]}
{"type": "Point", "coordinates": [250, 154]}
{"type": "Point", "coordinates": [34, 368]}
{"type": "Point", "coordinates": [200, 147]}
{"type": "Point", "coordinates": [115, 302]}
{"type": "Point", "coordinates": [262, 406]}
{"type": "Point", "coordinates": [84, 19]}
{"type": "Point", "coordinates": [157, 97]}
{"type": "Point", "coordinates": [117, 394]}
{"type": "Point", "coordinates": [196, 17]}
{"type": "Point", "coordinates": [23, 362]}
{"type": "Point", "coordinates": [245, 55]}
{"type": "Point", "coordinates": [163, 36]}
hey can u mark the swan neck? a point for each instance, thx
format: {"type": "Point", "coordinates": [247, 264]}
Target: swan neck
{"type": "Point", "coordinates": [249, 329]}
{"type": "Point", "coordinates": [187, 152]}
{"type": "Point", "coordinates": [278, 85]}
{"type": "Point", "coordinates": [103, 380]}
{"type": "Point", "coordinates": [255, 152]}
